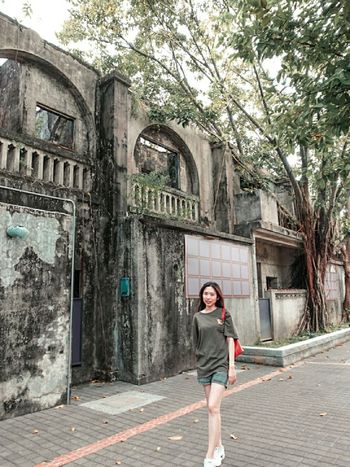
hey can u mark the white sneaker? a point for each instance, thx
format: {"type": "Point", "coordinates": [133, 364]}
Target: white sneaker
{"type": "Point", "coordinates": [220, 452]}
{"type": "Point", "coordinates": [210, 462]}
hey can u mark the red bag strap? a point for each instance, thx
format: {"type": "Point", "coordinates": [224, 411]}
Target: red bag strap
{"type": "Point", "coordinates": [223, 314]}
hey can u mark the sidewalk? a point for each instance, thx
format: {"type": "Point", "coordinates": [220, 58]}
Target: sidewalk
{"type": "Point", "coordinates": [298, 416]}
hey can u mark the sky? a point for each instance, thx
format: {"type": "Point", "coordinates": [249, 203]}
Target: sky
{"type": "Point", "coordinates": [47, 17]}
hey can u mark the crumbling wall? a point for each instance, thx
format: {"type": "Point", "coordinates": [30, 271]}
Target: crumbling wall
{"type": "Point", "coordinates": [276, 262]}
{"type": "Point", "coordinates": [153, 337]}
{"type": "Point", "coordinates": [34, 309]}
{"type": "Point", "coordinates": [52, 92]}
{"type": "Point", "coordinates": [153, 331]}
{"type": "Point", "coordinates": [10, 101]}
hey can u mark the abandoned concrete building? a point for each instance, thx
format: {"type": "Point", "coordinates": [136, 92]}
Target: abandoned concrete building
{"type": "Point", "coordinates": [109, 225]}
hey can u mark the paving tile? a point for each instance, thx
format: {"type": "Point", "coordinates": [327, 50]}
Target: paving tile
{"type": "Point", "coordinates": [277, 422]}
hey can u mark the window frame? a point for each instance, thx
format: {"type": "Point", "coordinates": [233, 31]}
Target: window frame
{"type": "Point", "coordinates": [68, 118]}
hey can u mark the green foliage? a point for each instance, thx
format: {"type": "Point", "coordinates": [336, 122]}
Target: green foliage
{"type": "Point", "coordinates": [153, 179]}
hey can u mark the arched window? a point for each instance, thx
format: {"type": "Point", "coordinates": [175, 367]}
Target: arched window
{"type": "Point", "coordinates": [160, 149]}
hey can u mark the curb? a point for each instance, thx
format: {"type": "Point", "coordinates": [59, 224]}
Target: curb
{"type": "Point", "coordinates": [292, 353]}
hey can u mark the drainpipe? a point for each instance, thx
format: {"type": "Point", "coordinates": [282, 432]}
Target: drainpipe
{"type": "Point", "coordinates": [69, 363]}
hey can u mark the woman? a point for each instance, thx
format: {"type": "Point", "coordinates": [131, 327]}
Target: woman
{"type": "Point", "coordinates": [214, 344]}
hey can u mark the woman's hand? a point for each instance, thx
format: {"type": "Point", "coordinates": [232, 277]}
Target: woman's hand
{"type": "Point", "coordinates": [232, 376]}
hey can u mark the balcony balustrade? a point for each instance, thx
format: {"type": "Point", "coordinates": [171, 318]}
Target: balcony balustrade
{"type": "Point", "coordinates": [165, 202]}
{"type": "Point", "coordinates": [21, 159]}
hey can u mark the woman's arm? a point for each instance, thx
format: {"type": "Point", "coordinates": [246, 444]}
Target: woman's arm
{"type": "Point", "coordinates": [232, 377]}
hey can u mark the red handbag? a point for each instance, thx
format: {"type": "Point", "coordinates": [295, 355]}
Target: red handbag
{"type": "Point", "coordinates": [238, 348]}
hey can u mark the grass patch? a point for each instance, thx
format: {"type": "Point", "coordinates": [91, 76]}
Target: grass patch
{"type": "Point", "coordinates": [302, 337]}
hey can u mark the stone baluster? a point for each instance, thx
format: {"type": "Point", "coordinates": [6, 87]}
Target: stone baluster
{"type": "Point", "coordinates": [158, 201]}
{"type": "Point", "coordinates": [70, 175]}
{"type": "Point", "coordinates": [144, 202]}
{"type": "Point", "coordinates": [189, 210]}
{"type": "Point", "coordinates": [3, 155]}
{"type": "Point", "coordinates": [80, 181]}
{"type": "Point", "coordinates": [40, 165]}
{"type": "Point", "coordinates": [136, 195]}
{"type": "Point", "coordinates": [16, 157]}
{"type": "Point", "coordinates": [50, 169]}
{"type": "Point", "coordinates": [196, 211]}
{"type": "Point", "coordinates": [28, 162]}
{"type": "Point", "coordinates": [60, 173]}
{"type": "Point", "coordinates": [150, 199]}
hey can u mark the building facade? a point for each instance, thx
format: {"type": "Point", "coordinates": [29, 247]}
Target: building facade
{"type": "Point", "coordinates": [109, 224]}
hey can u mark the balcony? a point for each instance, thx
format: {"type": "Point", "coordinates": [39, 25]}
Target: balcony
{"type": "Point", "coordinates": [164, 202]}
{"type": "Point", "coordinates": [24, 160]}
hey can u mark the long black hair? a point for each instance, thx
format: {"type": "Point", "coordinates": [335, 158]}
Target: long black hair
{"type": "Point", "coordinates": [220, 297]}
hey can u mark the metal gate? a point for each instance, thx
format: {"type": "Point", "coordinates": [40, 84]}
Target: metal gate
{"type": "Point", "coordinates": [265, 319]}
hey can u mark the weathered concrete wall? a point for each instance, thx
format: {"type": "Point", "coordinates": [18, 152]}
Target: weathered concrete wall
{"type": "Point", "coordinates": [110, 248]}
{"type": "Point", "coordinates": [30, 86]}
{"type": "Point", "coordinates": [276, 261]}
{"type": "Point", "coordinates": [153, 329]}
{"type": "Point", "coordinates": [34, 309]}
{"type": "Point", "coordinates": [51, 77]}
{"type": "Point", "coordinates": [23, 44]}
{"type": "Point", "coordinates": [335, 306]}
{"type": "Point", "coordinates": [164, 316]}
{"type": "Point", "coordinates": [10, 103]}
{"type": "Point", "coordinates": [286, 307]}
{"type": "Point", "coordinates": [44, 89]}
{"type": "Point", "coordinates": [259, 205]}
{"type": "Point", "coordinates": [225, 186]}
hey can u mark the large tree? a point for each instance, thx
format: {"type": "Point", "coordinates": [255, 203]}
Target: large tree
{"type": "Point", "coordinates": [210, 63]}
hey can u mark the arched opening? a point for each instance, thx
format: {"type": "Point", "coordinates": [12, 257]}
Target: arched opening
{"type": "Point", "coordinates": [11, 114]}
{"type": "Point", "coordinates": [160, 149]}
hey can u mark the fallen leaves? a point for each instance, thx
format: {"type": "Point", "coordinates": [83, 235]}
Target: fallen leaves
{"type": "Point", "coordinates": [75, 398]}
{"type": "Point", "coordinates": [323, 414]}
{"type": "Point", "coordinates": [289, 377]}
{"type": "Point", "coordinates": [35, 432]}
{"type": "Point", "coordinates": [233, 436]}
{"type": "Point", "coordinates": [175, 438]}
{"type": "Point", "coordinates": [158, 448]}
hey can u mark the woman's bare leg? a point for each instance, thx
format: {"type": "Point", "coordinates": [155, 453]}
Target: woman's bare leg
{"type": "Point", "coordinates": [213, 394]}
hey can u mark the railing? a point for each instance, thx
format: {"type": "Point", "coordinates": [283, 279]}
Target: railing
{"type": "Point", "coordinates": [21, 159]}
{"type": "Point", "coordinates": [164, 202]}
